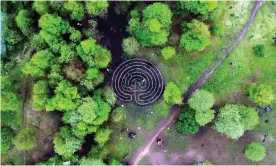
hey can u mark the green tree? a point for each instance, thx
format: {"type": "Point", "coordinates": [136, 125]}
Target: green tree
{"type": "Point", "coordinates": [197, 37]}
{"type": "Point", "coordinates": [109, 96]}
{"type": "Point", "coordinates": [204, 117]}
{"type": "Point", "coordinates": [65, 143]}
{"type": "Point", "coordinates": [261, 94]}
{"type": "Point", "coordinates": [39, 63]}
{"type": "Point", "coordinates": [26, 139]}
{"type": "Point", "coordinates": [199, 7]}
{"type": "Point", "coordinates": [201, 100]}
{"type": "Point", "coordinates": [75, 35]}
{"type": "Point", "coordinates": [37, 42]}
{"type": "Point", "coordinates": [93, 77]}
{"type": "Point", "coordinates": [249, 117]}
{"type": "Point", "coordinates": [159, 11]}
{"type": "Point", "coordinates": [168, 52]}
{"type": "Point", "coordinates": [102, 136]}
{"type": "Point", "coordinates": [259, 50]}
{"type": "Point", "coordinates": [172, 94]}
{"type": "Point", "coordinates": [186, 122]}
{"type": "Point", "coordinates": [97, 8]}
{"type": "Point", "coordinates": [7, 135]}
{"type": "Point", "coordinates": [131, 46]}
{"type": "Point", "coordinates": [25, 22]}
{"type": "Point", "coordinates": [76, 9]}
{"type": "Point", "coordinates": [255, 151]}
{"type": "Point", "coordinates": [118, 114]}
{"type": "Point", "coordinates": [40, 95]}
{"type": "Point", "coordinates": [53, 24]}
{"type": "Point", "coordinates": [9, 101]}
{"type": "Point", "coordinates": [41, 7]}
{"type": "Point", "coordinates": [65, 97]}
{"type": "Point", "coordinates": [228, 121]}
{"type": "Point", "coordinates": [74, 70]}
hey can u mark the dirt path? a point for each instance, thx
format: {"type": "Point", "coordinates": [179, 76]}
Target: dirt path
{"type": "Point", "coordinates": [141, 152]}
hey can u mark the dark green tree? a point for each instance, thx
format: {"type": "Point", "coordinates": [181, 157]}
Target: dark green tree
{"type": "Point", "coordinates": [259, 50]}
{"type": "Point", "coordinates": [7, 136]}
{"type": "Point", "coordinates": [24, 21]}
{"type": "Point", "coordinates": [186, 122]}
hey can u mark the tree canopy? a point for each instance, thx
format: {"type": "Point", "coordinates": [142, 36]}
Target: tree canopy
{"type": "Point", "coordinates": [255, 151]}
{"type": "Point", "coordinates": [186, 122]}
{"type": "Point", "coordinates": [196, 37]}
{"type": "Point", "coordinates": [201, 100]}
{"type": "Point", "coordinates": [25, 139]}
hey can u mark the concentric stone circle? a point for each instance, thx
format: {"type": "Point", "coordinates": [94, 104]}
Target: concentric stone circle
{"type": "Point", "coordinates": [137, 80]}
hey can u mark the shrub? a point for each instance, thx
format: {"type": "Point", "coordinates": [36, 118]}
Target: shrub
{"type": "Point", "coordinates": [131, 46]}
{"type": "Point", "coordinates": [25, 140]}
{"type": "Point", "coordinates": [197, 37]}
{"type": "Point", "coordinates": [218, 29]}
{"type": "Point", "coordinates": [168, 52]}
{"type": "Point", "coordinates": [102, 136]}
{"type": "Point", "coordinates": [118, 114]}
{"type": "Point", "coordinates": [259, 50]}
{"type": "Point", "coordinates": [186, 122]}
{"type": "Point", "coordinates": [40, 95]}
{"type": "Point", "coordinates": [201, 100]}
{"type": "Point", "coordinates": [261, 94]}
{"type": "Point", "coordinates": [255, 151]}
{"type": "Point", "coordinates": [172, 94]}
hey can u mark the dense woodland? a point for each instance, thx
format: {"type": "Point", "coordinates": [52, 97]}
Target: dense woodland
{"type": "Point", "coordinates": [65, 61]}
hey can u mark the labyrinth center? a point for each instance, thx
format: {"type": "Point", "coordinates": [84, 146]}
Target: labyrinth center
{"type": "Point", "coordinates": [137, 80]}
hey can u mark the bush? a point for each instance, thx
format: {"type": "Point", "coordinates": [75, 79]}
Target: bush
{"type": "Point", "coordinates": [172, 94]}
{"type": "Point", "coordinates": [131, 46]}
{"type": "Point", "coordinates": [197, 37]}
{"type": "Point", "coordinates": [6, 139]}
{"type": "Point", "coordinates": [259, 50]}
{"type": "Point", "coordinates": [201, 100]}
{"type": "Point", "coordinates": [168, 52]}
{"type": "Point", "coordinates": [186, 122]}
{"type": "Point", "coordinates": [118, 114]}
{"type": "Point", "coordinates": [25, 140]}
{"type": "Point", "coordinates": [261, 94]}
{"type": "Point", "coordinates": [255, 151]}
{"type": "Point", "coordinates": [40, 95]}
{"type": "Point", "coordinates": [218, 29]}
{"type": "Point", "coordinates": [102, 136]}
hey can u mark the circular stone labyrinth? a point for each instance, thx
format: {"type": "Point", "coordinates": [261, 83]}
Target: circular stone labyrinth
{"type": "Point", "coordinates": [137, 80]}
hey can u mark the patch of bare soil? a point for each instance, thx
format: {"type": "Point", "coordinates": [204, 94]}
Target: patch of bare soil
{"type": "Point", "coordinates": [208, 144]}
{"type": "Point", "coordinates": [46, 125]}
